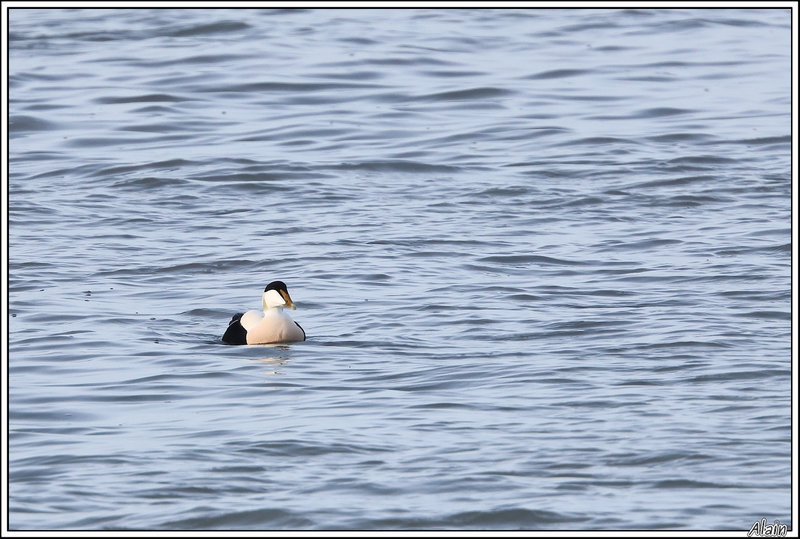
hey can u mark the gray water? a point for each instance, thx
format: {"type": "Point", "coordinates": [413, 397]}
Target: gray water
{"type": "Point", "coordinates": [542, 258]}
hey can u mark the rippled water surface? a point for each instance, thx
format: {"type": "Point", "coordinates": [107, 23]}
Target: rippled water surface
{"type": "Point", "coordinates": [542, 257]}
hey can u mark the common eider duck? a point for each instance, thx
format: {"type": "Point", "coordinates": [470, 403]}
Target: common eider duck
{"type": "Point", "coordinates": [272, 325]}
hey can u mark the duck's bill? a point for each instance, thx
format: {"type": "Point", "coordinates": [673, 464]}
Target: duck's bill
{"type": "Point", "coordinates": [288, 300]}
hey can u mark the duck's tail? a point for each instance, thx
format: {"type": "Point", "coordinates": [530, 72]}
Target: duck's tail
{"type": "Point", "coordinates": [235, 334]}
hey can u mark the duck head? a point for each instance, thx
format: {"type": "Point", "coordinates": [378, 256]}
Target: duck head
{"type": "Point", "coordinates": [276, 295]}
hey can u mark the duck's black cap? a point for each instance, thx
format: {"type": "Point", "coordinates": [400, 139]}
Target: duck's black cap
{"type": "Point", "coordinates": [276, 285]}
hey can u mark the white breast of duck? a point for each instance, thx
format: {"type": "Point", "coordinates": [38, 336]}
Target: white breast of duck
{"type": "Point", "coordinates": [271, 325]}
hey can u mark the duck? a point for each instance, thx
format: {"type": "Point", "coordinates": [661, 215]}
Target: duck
{"type": "Point", "coordinates": [272, 325]}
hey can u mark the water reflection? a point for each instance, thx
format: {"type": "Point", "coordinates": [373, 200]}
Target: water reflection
{"type": "Point", "coordinates": [277, 356]}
